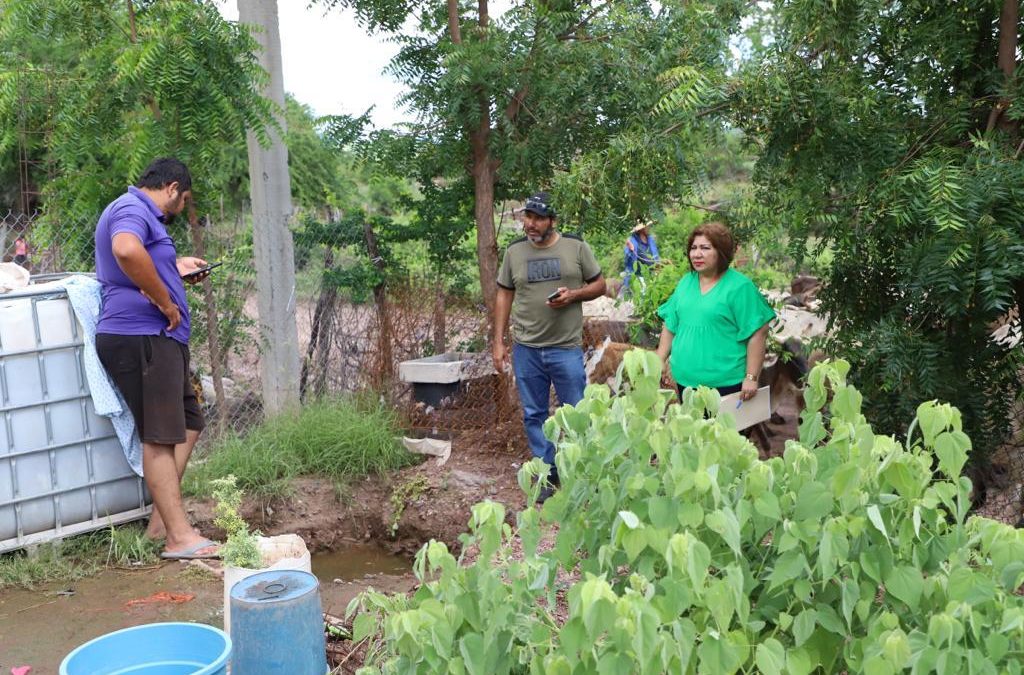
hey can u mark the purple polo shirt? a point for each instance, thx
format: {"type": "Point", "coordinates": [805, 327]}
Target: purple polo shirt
{"type": "Point", "coordinates": [125, 310]}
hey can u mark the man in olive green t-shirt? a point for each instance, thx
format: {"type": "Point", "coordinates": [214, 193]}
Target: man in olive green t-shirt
{"type": "Point", "coordinates": [542, 281]}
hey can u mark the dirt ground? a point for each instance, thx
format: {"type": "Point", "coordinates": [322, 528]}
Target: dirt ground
{"type": "Point", "coordinates": [39, 627]}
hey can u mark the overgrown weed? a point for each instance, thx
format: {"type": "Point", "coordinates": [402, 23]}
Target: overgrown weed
{"type": "Point", "coordinates": [128, 545]}
{"type": "Point", "coordinates": [337, 439]}
{"type": "Point", "coordinates": [77, 557]}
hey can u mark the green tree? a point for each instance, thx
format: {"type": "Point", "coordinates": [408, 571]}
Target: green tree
{"type": "Point", "coordinates": [127, 82]}
{"type": "Point", "coordinates": [503, 103]}
{"type": "Point", "coordinates": [890, 132]}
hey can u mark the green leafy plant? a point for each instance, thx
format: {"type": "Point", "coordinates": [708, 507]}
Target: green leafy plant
{"type": "Point", "coordinates": [851, 552]}
{"type": "Point", "coordinates": [404, 493]}
{"type": "Point", "coordinates": [661, 282]}
{"type": "Point", "coordinates": [241, 549]}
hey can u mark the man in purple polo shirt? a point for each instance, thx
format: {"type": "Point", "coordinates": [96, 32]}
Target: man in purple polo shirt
{"type": "Point", "coordinates": [142, 340]}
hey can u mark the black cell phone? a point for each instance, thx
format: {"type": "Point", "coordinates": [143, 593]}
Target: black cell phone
{"type": "Point", "coordinates": [202, 270]}
{"type": "Point", "coordinates": [554, 295]}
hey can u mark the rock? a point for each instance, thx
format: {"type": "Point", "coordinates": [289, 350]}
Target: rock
{"type": "Point", "coordinates": [468, 479]}
{"type": "Point", "coordinates": [210, 394]}
{"type": "Point", "coordinates": [804, 283]}
{"type": "Point", "coordinates": [608, 308]}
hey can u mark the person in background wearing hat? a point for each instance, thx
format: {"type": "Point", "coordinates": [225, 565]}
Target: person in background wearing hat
{"type": "Point", "coordinates": [641, 252]}
{"type": "Point", "coordinates": [544, 278]}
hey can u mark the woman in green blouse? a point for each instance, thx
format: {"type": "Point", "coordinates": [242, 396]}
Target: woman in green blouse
{"type": "Point", "coordinates": [716, 321]}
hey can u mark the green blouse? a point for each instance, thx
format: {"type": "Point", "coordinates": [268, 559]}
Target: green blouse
{"type": "Point", "coordinates": [712, 329]}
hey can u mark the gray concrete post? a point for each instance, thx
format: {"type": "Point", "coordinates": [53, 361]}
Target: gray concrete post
{"type": "Point", "coordinates": [270, 191]}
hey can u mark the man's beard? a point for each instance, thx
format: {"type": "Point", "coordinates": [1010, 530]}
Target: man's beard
{"type": "Point", "coordinates": [541, 238]}
{"type": "Point", "coordinates": [174, 209]}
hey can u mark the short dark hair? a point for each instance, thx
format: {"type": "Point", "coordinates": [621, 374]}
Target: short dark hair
{"type": "Point", "coordinates": [721, 239]}
{"type": "Point", "coordinates": [164, 171]}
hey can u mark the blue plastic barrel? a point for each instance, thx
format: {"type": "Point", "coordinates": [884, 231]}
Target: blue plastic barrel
{"type": "Point", "coordinates": [153, 649]}
{"type": "Point", "coordinates": [277, 626]}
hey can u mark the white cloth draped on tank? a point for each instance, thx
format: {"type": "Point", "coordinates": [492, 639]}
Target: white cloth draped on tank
{"type": "Point", "coordinates": [85, 298]}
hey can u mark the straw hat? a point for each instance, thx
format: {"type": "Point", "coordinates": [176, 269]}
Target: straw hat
{"type": "Point", "coordinates": [642, 225]}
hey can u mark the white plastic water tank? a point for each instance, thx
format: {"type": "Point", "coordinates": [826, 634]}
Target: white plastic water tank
{"type": "Point", "coordinates": [62, 469]}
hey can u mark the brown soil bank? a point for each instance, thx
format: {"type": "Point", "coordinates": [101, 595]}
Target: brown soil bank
{"type": "Point", "coordinates": [400, 511]}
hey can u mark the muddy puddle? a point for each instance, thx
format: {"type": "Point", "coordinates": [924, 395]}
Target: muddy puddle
{"type": "Point", "coordinates": [39, 627]}
{"type": "Point", "coordinates": [356, 562]}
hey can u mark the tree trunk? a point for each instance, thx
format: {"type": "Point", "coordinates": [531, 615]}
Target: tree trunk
{"type": "Point", "coordinates": [212, 336]}
{"type": "Point", "coordinates": [1009, 20]}
{"type": "Point", "coordinates": [320, 334]}
{"type": "Point", "coordinates": [484, 171]}
{"type": "Point", "coordinates": [385, 366]}
{"type": "Point", "coordinates": [453, 22]}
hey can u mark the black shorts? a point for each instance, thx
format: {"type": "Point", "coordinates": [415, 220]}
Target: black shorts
{"type": "Point", "coordinates": [152, 373]}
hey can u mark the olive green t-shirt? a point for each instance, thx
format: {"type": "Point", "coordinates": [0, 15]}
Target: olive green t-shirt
{"type": "Point", "coordinates": [534, 273]}
{"type": "Point", "coordinates": [711, 329]}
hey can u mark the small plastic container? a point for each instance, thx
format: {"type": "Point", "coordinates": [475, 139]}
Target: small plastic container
{"type": "Point", "coordinates": [153, 649]}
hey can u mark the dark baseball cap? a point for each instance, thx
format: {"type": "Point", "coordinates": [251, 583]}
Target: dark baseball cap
{"type": "Point", "coordinates": [540, 203]}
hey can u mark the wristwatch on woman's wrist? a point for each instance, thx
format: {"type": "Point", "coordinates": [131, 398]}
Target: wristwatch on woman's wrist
{"type": "Point", "coordinates": [752, 377]}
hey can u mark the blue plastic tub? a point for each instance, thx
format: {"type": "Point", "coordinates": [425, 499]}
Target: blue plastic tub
{"type": "Point", "coordinates": [153, 649]}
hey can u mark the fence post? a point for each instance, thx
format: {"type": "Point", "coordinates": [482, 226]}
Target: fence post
{"type": "Point", "coordinates": [440, 318]}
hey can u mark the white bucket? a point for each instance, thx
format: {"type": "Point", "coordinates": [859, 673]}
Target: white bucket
{"type": "Point", "coordinates": [283, 552]}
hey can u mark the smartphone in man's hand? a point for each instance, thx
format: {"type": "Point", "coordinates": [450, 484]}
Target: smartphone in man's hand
{"type": "Point", "coordinates": [554, 295]}
{"type": "Point", "coordinates": [201, 271]}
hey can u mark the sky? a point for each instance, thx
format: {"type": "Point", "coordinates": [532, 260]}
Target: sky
{"type": "Point", "coordinates": [333, 65]}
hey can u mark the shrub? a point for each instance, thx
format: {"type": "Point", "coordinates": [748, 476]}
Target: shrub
{"type": "Point", "coordinates": [852, 552]}
{"type": "Point", "coordinates": [241, 548]}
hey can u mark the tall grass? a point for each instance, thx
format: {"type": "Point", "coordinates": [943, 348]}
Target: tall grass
{"type": "Point", "coordinates": [337, 439]}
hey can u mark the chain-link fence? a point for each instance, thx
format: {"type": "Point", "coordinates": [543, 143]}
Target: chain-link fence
{"type": "Point", "coordinates": [347, 344]}
{"type": "Point", "coordinates": [357, 342]}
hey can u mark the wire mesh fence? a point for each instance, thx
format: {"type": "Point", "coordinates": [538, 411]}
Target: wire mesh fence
{"type": "Point", "coordinates": [348, 344]}
{"type": "Point", "coordinates": [357, 342]}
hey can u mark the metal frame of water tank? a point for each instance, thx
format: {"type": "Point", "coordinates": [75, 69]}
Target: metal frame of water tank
{"type": "Point", "coordinates": [95, 443]}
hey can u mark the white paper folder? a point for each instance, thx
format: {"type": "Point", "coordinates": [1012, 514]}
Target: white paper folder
{"type": "Point", "coordinates": [757, 409]}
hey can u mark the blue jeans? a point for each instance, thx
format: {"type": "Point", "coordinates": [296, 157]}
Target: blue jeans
{"type": "Point", "coordinates": [536, 369]}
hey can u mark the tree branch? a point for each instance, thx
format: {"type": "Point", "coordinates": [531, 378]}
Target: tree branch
{"type": "Point", "coordinates": [516, 104]}
{"type": "Point", "coordinates": [131, 22]}
{"type": "Point", "coordinates": [582, 22]}
{"type": "Point", "coordinates": [713, 208]}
